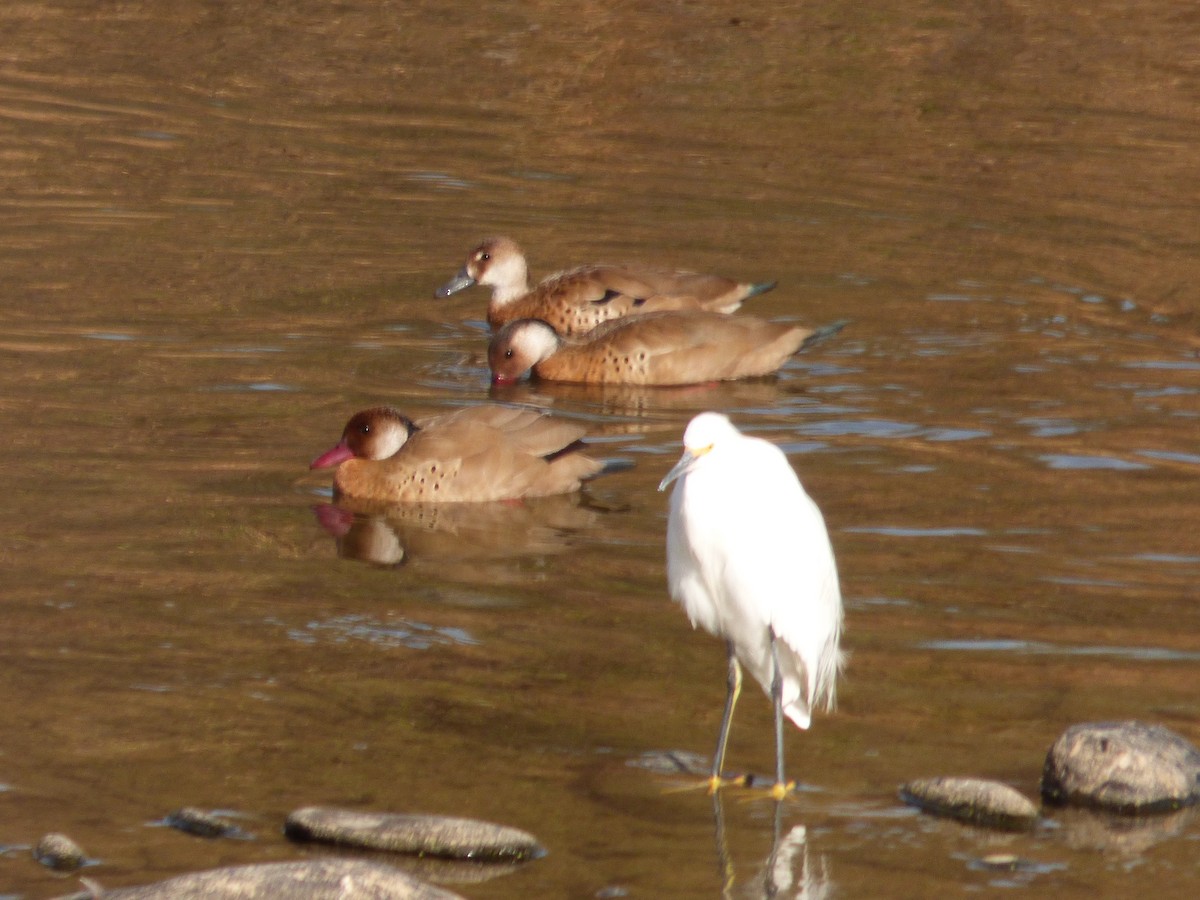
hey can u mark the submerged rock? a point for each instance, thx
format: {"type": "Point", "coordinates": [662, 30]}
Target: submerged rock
{"type": "Point", "coordinates": [203, 824]}
{"type": "Point", "coordinates": [973, 800]}
{"type": "Point", "coordinates": [322, 879]}
{"type": "Point", "coordinates": [442, 836]}
{"type": "Point", "coordinates": [674, 762]}
{"type": "Point", "coordinates": [1124, 767]}
{"type": "Point", "coordinates": [59, 852]}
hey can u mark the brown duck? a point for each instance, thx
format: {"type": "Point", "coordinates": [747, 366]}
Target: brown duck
{"type": "Point", "coordinates": [475, 454]}
{"type": "Point", "coordinates": [668, 348]}
{"type": "Point", "coordinates": [577, 301]}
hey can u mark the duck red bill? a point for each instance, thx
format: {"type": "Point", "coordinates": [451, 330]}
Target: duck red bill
{"type": "Point", "coordinates": [334, 456]}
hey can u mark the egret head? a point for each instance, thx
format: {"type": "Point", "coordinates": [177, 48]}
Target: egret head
{"type": "Point", "coordinates": [703, 434]}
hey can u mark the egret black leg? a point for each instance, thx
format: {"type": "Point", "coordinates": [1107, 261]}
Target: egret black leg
{"type": "Point", "coordinates": [782, 787]}
{"type": "Point", "coordinates": [734, 688]}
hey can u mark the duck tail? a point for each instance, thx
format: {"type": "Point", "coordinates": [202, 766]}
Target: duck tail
{"type": "Point", "coordinates": [759, 287]}
{"type": "Point", "coordinates": [824, 333]}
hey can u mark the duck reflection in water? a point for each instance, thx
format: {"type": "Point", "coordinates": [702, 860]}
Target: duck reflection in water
{"type": "Point", "coordinates": [479, 543]}
{"type": "Point", "coordinates": [645, 407]}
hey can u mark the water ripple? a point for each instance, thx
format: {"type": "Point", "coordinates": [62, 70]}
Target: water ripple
{"type": "Point", "coordinates": [401, 633]}
{"type": "Point", "coordinates": [1167, 558]}
{"type": "Point", "coordinates": [1170, 456]}
{"type": "Point", "coordinates": [1039, 648]}
{"type": "Point", "coordinates": [1071, 461]}
{"type": "Point", "coordinates": [1188, 365]}
{"type": "Point", "coordinates": [900, 531]}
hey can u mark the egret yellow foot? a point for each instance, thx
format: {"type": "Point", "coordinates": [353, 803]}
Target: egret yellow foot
{"type": "Point", "coordinates": [781, 789]}
{"type": "Point", "coordinates": [712, 784]}
{"type": "Point", "coordinates": [754, 784]}
{"type": "Point", "coordinates": [776, 790]}
{"type": "Point", "coordinates": [716, 782]}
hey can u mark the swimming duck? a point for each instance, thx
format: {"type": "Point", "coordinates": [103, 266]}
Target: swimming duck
{"type": "Point", "coordinates": [668, 348]}
{"type": "Point", "coordinates": [578, 300]}
{"type": "Point", "coordinates": [478, 453]}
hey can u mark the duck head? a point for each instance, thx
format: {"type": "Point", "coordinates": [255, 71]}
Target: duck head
{"type": "Point", "coordinates": [518, 347]}
{"type": "Point", "coordinates": [497, 263]}
{"type": "Point", "coordinates": [376, 433]}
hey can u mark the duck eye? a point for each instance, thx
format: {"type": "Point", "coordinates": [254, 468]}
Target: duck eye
{"type": "Point", "coordinates": [485, 256]}
{"type": "Point", "coordinates": [364, 429]}
{"type": "Point", "coordinates": [508, 353]}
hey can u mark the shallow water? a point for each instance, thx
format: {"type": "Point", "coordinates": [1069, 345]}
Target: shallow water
{"type": "Point", "coordinates": [222, 232]}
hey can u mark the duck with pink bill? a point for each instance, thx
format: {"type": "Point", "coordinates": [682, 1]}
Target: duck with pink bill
{"type": "Point", "coordinates": [475, 454]}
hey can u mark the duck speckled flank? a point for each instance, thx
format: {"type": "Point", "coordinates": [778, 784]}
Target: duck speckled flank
{"type": "Point", "coordinates": [479, 453]}
{"type": "Point", "coordinates": [576, 301]}
{"type": "Point", "coordinates": [667, 348]}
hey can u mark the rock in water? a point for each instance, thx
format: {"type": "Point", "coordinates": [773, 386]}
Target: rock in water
{"type": "Point", "coordinates": [59, 852]}
{"type": "Point", "coordinates": [443, 836]}
{"type": "Point", "coordinates": [322, 879]}
{"type": "Point", "coordinates": [1125, 767]}
{"type": "Point", "coordinates": [972, 800]}
{"type": "Point", "coordinates": [203, 824]}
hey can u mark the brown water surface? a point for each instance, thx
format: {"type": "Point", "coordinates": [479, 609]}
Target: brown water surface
{"type": "Point", "coordinates": [222, 227]}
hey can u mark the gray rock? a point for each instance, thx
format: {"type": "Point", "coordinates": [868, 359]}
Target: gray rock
{"type": "Point", "coordinates": [1124, 767]}
{"type": "Point", "coordinates": [441, 836]}
{"type": "Point", "coordinates": [321, 879]}
{"type": "Point", "coordinates": [57, 851]}
{"type": "Point", "coordinates": [973, 800]}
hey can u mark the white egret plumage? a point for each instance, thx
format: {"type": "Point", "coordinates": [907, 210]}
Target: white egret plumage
{"type": "Point", "coordinates": [749, 559]}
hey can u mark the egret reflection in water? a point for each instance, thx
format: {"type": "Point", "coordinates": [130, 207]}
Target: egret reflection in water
{"type": "Point", "coordinates": [789, 871]}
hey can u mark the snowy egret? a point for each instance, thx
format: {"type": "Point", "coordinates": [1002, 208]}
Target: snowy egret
{"type": "Point", "coordinates": [580, 299]}
{"type": "Point", "coordinates": [749, 559]}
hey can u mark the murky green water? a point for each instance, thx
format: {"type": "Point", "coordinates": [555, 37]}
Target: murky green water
{"type": "Point", "coordinates": [222, 229]}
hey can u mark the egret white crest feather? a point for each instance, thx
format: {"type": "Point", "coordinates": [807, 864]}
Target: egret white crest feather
{"type": "Point", "coordinates": [749, 559]}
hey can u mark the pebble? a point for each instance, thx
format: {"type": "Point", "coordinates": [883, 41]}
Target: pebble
{"type": "Point", "coordinates": [441, 836]}
{"type": "Point", "coordinates": [59, 852]}
{"type": "Point", "coordinates": [1001, 862]}
{"type": "Point", "coordinates": [1124, 767]}
{"type": "Point", "coordinates": [973, 800]}
{"type": "Point", "coordinates": [321, 879]}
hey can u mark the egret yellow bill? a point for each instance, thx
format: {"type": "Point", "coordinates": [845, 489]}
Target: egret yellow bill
{"type": "Point", "coordinates": [749, 559]}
